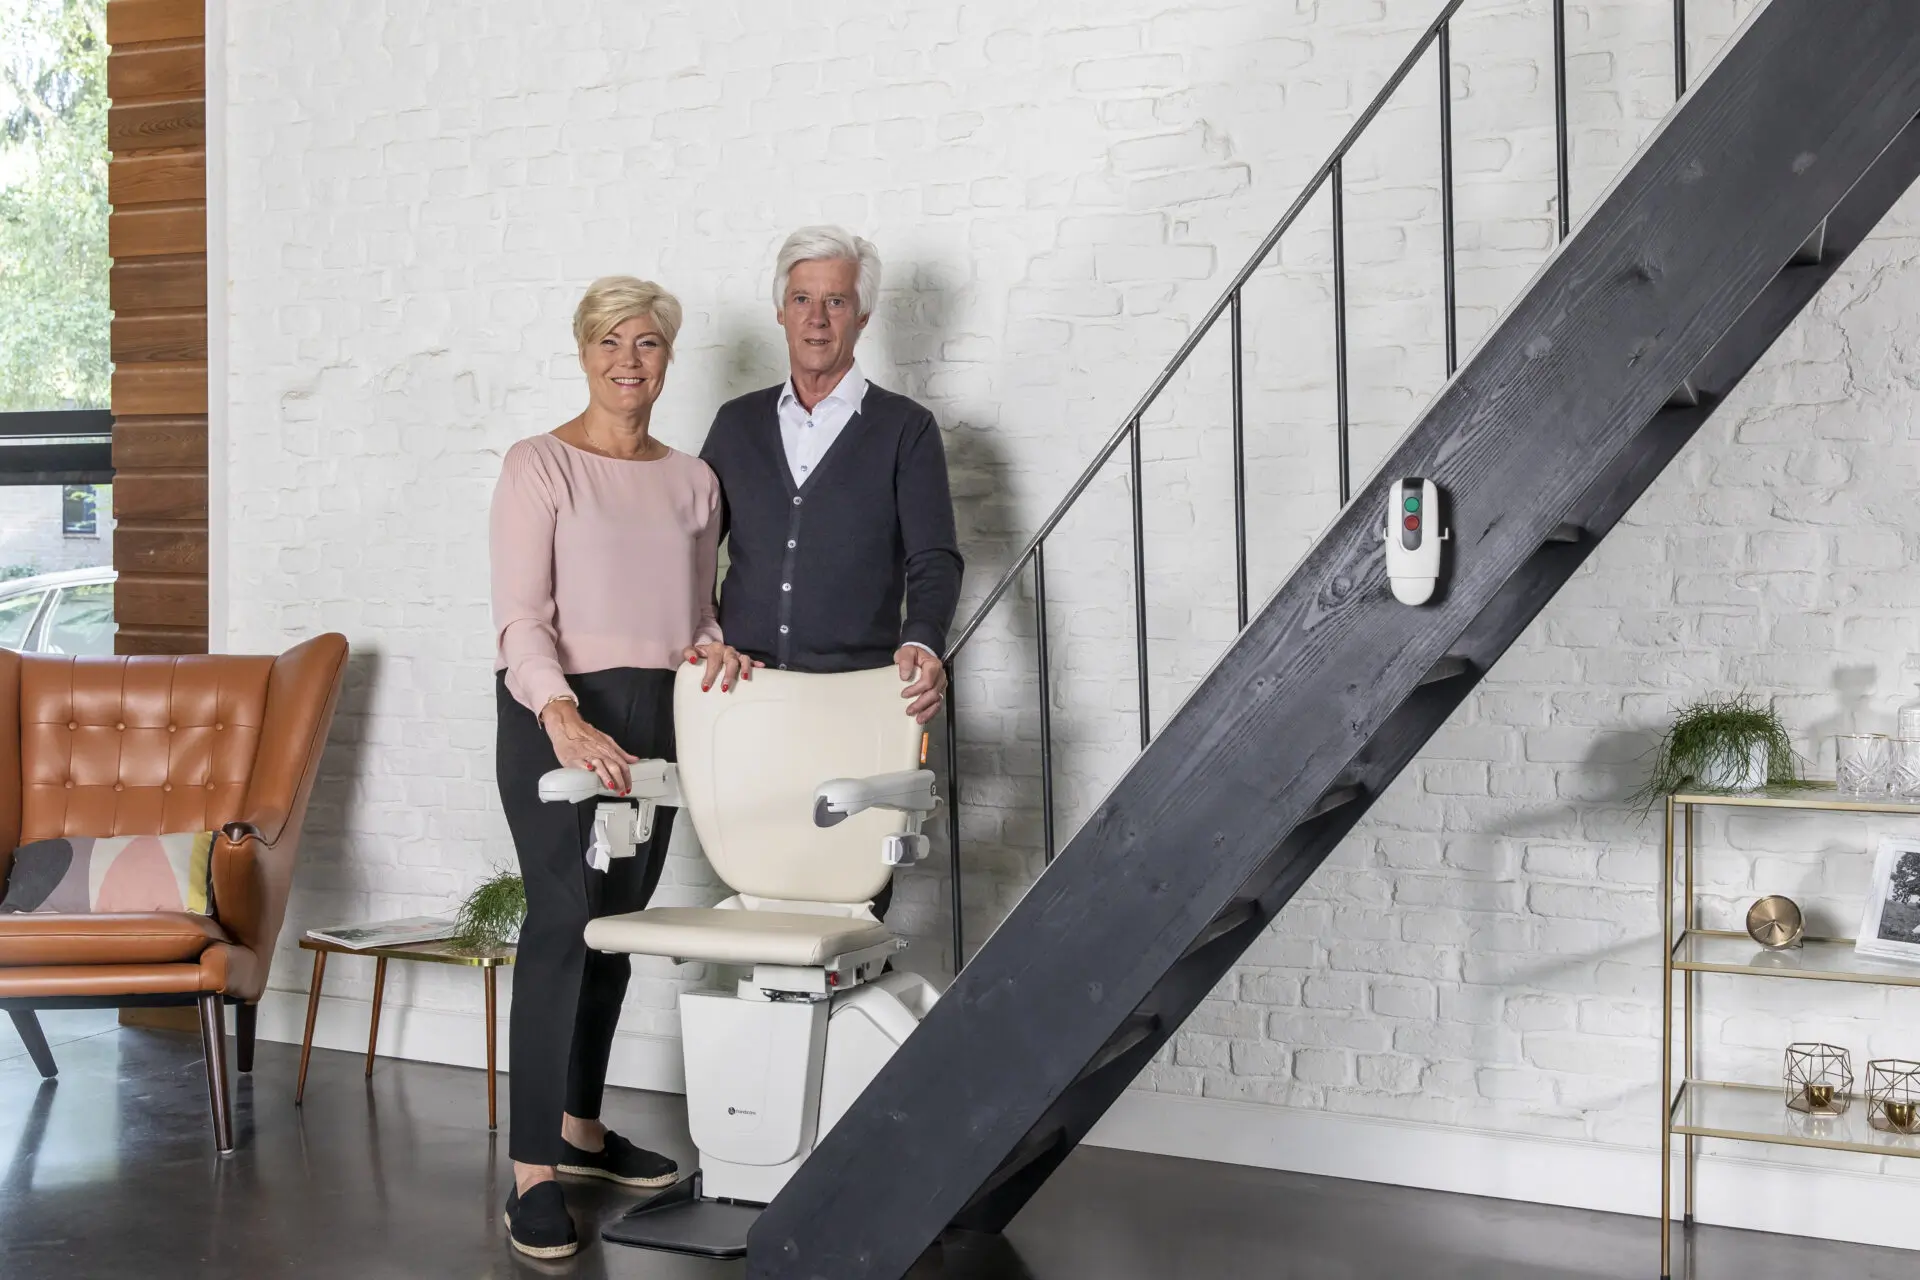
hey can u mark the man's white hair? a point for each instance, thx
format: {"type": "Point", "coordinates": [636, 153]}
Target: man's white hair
{"type": "Point", "coordinates": [829, 244]}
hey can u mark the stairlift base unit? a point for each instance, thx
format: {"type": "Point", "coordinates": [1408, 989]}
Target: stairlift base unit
{"type": "Point", "coordinates": [766, 1080]}
{"type": "Point", "coordinates": [1413, 536]}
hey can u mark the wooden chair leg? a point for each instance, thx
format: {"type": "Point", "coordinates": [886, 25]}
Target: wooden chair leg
{"type": "Point", "coordinates": [213, 1041]}
{"type": "Point", "coordinates": [373, 1023]}
{"type": "Point", "coordinates": [493, 1115]}
{"type": "Point", "coordinates": [313, 1011]}
{"type": "Point", "coordinates": [27, 1023]}
{"type": "Point", "coordinates": [243, 1025]}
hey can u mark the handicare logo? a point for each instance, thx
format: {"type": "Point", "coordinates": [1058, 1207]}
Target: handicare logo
{"type": "Point", "coordinates": [741, 1111]}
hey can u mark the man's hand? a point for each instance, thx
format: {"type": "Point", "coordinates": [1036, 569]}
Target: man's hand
{"type": "Point", "coordinates": [724, 663]}
{"type": "Point", "coordinates": [929, 680]}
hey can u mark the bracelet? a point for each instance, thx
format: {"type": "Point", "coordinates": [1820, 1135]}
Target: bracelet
{"type": "Point", "coordinates": [541, 714]}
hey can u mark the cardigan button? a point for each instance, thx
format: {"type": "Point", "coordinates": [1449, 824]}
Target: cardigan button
{"type": "Point", "coordinates": [786, 586]}
{"type": "Point", "coordinates": [783, 629]}
{"type": "Point", "coordinates": [791, 544]}
{"type": "Point", "coordinates": [796, 502]}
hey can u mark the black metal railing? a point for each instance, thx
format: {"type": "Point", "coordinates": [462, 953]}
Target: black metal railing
{"type": "Point", "coordinates": [56, 446]}
{"type": "Point", "coordinates": [1330, 176]}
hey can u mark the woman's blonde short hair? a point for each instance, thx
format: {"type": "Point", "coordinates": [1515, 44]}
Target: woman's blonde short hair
{"type": "Point", "coordinates": [611, 301]}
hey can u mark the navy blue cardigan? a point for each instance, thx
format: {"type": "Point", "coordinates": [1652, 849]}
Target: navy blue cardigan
{"type": "Point", "coordinates": [818, 571]}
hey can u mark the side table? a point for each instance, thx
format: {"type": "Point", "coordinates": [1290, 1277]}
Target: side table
{"type": "Point", "coordinates": [487, 959]}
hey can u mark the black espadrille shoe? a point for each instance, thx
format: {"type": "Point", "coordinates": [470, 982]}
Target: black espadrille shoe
{"type": "Point", "coordinates": [538, 1223]}
{"type": "Point", "coordinates": [620, 1161]}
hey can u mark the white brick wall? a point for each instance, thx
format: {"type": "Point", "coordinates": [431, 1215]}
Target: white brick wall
{"type": "Point", "coordinates": [416, 196]}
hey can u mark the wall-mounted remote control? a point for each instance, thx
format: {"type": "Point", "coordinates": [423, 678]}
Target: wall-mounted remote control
{"type": "Point", "coordinates": [1414, 534]}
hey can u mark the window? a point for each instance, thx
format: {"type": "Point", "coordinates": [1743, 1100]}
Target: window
{"type": "Point", "coordinates": [81, 621]}
{"type": "Point", "coordinates": [55, 370]}
{"type": "Point", "coordinates": [17, 613]}
{"type": "Point", "coordinates": [79, 511]}
{"type": "Point", "coordinates": [54, 310]}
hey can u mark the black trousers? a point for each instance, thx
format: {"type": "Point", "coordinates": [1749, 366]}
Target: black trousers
{"type": "Point", "coordinates": [566, 1000]}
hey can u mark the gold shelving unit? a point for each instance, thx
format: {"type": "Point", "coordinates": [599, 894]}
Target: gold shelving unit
{"type": "Point", "coordinates": [1747, 1112]}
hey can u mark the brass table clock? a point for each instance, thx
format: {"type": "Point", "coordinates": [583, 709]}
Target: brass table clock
{"type": "Point", "coordinates": [1776, 923]}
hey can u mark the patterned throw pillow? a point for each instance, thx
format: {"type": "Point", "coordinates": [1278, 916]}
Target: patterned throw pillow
{"type": "Point", "coordinates": [100, 874]}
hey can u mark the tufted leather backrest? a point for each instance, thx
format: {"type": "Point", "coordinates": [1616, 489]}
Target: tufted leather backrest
{"type": "Point", "coordinates": [137, 746]}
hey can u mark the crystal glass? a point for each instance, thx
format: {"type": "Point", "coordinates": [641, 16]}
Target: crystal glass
{"type": "Point", "coordinates": [1904, 776]}
{"type": "Point", "coordinates": [1864, 762]}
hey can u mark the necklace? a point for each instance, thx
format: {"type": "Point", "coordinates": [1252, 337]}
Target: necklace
{"type": "Point", "coordinates": [645, 454]}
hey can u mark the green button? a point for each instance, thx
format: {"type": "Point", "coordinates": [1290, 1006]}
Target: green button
{"type": "Point", "coordinates": [1413, 504]}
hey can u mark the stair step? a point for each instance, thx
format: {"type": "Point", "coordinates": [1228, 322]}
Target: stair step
{"type": "Point", "coordinates": [1136, 1028]}
{"type": "Point", "coordinates": [1239, 913]}
{"type": "Point", "coordinates": [1336, 798]}
{"type": "Point", "coordinates": [1813, 251]}
{"type": "Point", "coordinates": [1451, 667]}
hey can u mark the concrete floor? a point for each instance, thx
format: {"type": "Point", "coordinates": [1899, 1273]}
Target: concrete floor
{"type": "Point", "coordinates": [110, 1172]}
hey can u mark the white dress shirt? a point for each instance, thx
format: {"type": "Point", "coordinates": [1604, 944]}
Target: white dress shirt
{"type": "Point", "coordinates": [806, 437]}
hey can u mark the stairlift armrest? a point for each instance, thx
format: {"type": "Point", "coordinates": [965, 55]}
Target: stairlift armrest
{"type": "Point", "coordinates": [909, 791]}
{"type": "Point", "coordinates": [655, 780]}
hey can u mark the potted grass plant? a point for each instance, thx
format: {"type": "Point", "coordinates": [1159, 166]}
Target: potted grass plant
{"type": "Point", "coordinates": [491, 915]}
{"type": "Point", "coordinates": [1720, 744]}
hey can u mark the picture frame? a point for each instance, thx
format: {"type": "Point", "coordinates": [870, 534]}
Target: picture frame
{"type": "Point", "coordinates": [1890, 923]}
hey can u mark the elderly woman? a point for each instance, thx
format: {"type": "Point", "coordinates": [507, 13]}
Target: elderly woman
{"type": "Point", "coordinates": [604, 544]}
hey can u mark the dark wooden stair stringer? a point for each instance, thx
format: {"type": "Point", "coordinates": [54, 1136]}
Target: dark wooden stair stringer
{"type": "Point", "coordinates": [1686, 273]}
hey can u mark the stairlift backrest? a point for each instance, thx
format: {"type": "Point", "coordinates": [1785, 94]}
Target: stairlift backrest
{"type": "Point", "coordinates": [751, 759]}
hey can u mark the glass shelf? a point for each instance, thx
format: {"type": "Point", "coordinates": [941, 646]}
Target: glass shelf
{"type": "Point", "coordinates": [1757, 1113]}
{"type": "Point", "coordinates": [1821, 959]}
{"type": "Point", "coordinates": [1821, 795]}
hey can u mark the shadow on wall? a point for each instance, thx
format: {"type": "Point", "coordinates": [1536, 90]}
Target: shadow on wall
{"type": "Point", "coordinates": [342, 766]}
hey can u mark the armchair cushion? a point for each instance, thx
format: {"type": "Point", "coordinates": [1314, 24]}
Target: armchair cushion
{"type": "Point", "coordinates": [720, 936]}
{"type": "Point", "coordinates": [77, 874]}
{"type": "Point", "coordinates": [134, 937]}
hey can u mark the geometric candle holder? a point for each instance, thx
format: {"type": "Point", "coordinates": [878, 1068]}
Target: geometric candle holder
{"type": "Point", "coordinates": [1819, 1079]}
{"type": "Point", "coordinates": [1893, 1095]}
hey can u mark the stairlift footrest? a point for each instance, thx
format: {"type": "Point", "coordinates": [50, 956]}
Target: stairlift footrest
{"type": "Point", "coordinates": [681, 1220]}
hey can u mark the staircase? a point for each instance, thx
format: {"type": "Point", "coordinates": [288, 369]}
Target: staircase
{"type": "Point", "coordinates": [1763, 180]}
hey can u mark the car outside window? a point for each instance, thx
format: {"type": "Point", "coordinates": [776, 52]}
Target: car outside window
{"type": "Point", "coordinates": [82, 621]}
{"type": "Point", "coordinates": [16, 615]}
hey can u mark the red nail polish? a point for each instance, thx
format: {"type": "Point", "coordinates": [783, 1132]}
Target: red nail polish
{"type": "Point", "coordinates": [705, 687]}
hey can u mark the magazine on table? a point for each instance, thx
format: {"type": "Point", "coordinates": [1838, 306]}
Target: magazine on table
{"type": "Point", "coordinates": [387, 933]}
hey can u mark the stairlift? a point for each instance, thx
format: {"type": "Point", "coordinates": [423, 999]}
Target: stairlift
{"type": "Point", "coordinates": [805, 791]}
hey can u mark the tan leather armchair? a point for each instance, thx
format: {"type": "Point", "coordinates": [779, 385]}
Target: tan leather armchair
{"type": "Point", "coordinates": [147, 746]}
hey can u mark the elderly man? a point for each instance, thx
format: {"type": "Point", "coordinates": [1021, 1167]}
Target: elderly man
{"type": "Point", "coordinates": [835, 490]}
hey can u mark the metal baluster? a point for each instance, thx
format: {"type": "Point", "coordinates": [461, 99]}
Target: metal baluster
{"type": "Point", "coordinates": [1679, 48]}
{"type": "Point", "coordinates": [1446, 199]}
{"type": "Point", "coordinates": [1560, 111]}
{"type": "Point", "coordinates": [953, 813]}
{"type": "Point", "coordinates": [1239, 466]}
{"type": "Point", "coordinates": [1140, 590]}
{"type": "Point", "coordinates": [1340, 327]}
{"type": "Point", "coordinates": [1046, 696]}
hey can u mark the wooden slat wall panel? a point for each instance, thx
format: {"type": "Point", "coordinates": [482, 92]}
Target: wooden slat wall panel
{"type": "Point", "coordinates": [168, 337]}
{"type": "Point", "coordinates": [140, 498]}
{"type": "Point", "coordinates": [140, 232]}
{"type": "Point", "coordinates": [159, 444]}
{"type": "Point", "coordinates": [167, 177]}
{"type": "Point", "coordinates": [144, 126]}
{"type": "Point", "coordinates": [172, 70]}
{"type": "Point", "coordinates": [157, 234]}
{"type": "Point", "coordinates": [142, 285]}
{"type": "Point", "coordinates": [142, 21]}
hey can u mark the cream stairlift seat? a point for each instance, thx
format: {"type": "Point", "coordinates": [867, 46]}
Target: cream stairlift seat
{"type": "Point", "coordinates": [805, 790]}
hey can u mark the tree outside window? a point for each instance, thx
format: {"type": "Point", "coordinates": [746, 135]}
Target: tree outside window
{"type": "Point", "coordinates": [54, 309]}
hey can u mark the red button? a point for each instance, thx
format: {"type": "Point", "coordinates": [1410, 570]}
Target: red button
{"type": "Point", "coordinates": [1413, 524]}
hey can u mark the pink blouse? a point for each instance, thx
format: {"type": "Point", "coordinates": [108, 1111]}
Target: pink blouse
{"type": "Point", "coordinates": [599, 562]}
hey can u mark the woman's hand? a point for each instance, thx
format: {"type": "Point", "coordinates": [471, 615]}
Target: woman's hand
{"type": "Point", "coordinates": [724, 662]}
{"type": "Point", "coordinates": [578, 745]}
